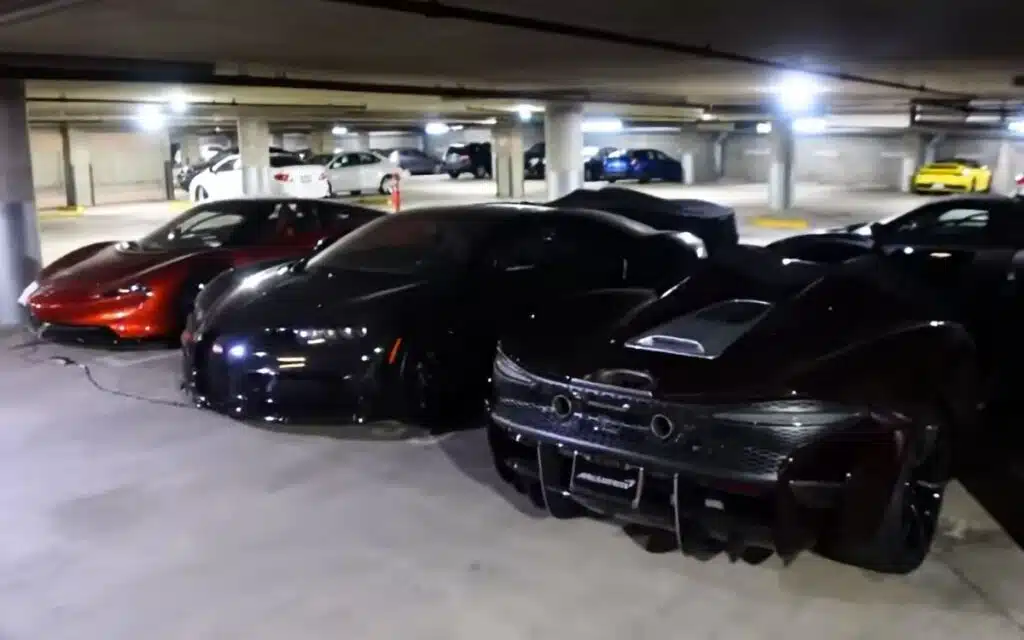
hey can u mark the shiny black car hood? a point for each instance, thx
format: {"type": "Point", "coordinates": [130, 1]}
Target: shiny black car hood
{"type": "Point", "coordinates": [789, 315]}
{"type": "Point", "coordinates": [286, 297]}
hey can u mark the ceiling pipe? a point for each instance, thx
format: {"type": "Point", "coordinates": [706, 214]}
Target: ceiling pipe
{"type": "Point", "coordinates": [437, 10]}
{"type": "Point", "coordinates": [26, 11]}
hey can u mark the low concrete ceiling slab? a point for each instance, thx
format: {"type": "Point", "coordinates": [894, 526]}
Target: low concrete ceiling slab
{"type": "Point", "coordinates": [944, 47]}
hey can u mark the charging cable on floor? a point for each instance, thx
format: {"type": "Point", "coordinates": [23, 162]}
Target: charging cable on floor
{"type": "Point", "coordinates": [87, 371]}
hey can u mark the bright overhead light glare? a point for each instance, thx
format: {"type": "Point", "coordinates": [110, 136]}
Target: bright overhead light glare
{"type": "Point", "coordinates": [339, 130]}
{"type": "Point", "coordinates": [764, 127]}
{"type": "Point", "coordinates": [178, 102]}
{"type": "Point", "coordinates": [707, 116]}
{"type": "Point", "coordinates": [436, 128]}
{"type": "Point", "coordinates": [456, 127]}
{"type": "Point", "coordinates": [1016, 126]}
{"type": "Point", "coordinates": [809, 125]}
{"type": "Point", "coordinates": [525, 115]}
{"type": "Point", "coordinates": [602, 125]}
{"type": "Point", "coordinates": [151, 118]}
{"type": "Point", "coordinates": [797, 93]}
{"type": "Point", "coordinates": [490, 122]}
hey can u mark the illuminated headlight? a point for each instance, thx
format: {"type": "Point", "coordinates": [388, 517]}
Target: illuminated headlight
{"type": "Point", "coordinates": [506, 369]}
{"type": "Point", "coordinates": [328, 336]}
{"type": "Point", "coordinates": [130, 290]}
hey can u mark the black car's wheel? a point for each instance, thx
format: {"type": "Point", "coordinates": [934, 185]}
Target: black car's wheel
{"type": "Point", "coordinates": [480, 173]}
{"type": "Point", "coordinates": [588, 174]}
{"type": "Point", "coordinates": [904, 537]}
{"type": "Point", "coordinates": [454, 175]}
{"type": "Point", "coordinates": [201, 194]}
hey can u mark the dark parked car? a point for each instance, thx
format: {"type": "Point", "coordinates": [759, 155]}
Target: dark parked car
{"type": "Point", "coordinates": [413, 160]}
{"type": "Point", "coordinates": [765, 405]}
{"type": "Point", "coordinates": [401, 319]}
{"type": "Point", "coordinates": [642, 165]}
{"type": "Point", "coordinates": [535, 163]}
{"type": "Point", "coordinates": [473, 158]}
{"type": "Point", "coordinates": [185, 175]}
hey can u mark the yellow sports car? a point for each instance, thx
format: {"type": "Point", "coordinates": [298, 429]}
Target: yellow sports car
{"type": "Point", "coordinates": [958, 175]}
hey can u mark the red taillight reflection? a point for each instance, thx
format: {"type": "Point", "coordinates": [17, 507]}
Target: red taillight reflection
{"type": "Point", "coordinates": [282, 177]}
{"type": "Point", "coordinates": [1020, 179]}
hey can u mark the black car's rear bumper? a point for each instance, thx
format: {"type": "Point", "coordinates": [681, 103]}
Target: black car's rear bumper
{"type": "Point", "coordinates": [275, 380]}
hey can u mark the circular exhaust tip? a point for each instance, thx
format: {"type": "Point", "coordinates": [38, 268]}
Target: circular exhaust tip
{"type": "Point", "coordinates": [662, 426]}
{"type": "Point", "coordinates": [562, 406]}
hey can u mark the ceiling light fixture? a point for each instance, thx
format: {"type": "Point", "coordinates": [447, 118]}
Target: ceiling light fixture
{"type": "Point", "coordinates": [178, 101]}
{"type": "Point", "coordinates": [151, 117]}
{"type": "Point", "coordinates": [602, 125]}
{"type": "Point", "coordinates": [489, 122]}
{"type": "Point", "coordinates": [797, 93]}
{"type": "Point", "coordinates": [809, 125]}
{"type": "Point", "coordinates": [436, 128]}
{"type": "Point", "coordinates": [764, 127]}
{"type": "Point", "coordinates": [339, 130]}
{"type": "Point", "coordinates": [1016, 126]}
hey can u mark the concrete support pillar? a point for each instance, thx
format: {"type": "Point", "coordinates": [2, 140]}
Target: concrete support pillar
{"type": "Point", "coordinates": [20, 256]}
{"type": "Point", "coordinates": [77, 168]}
{"type": "Point", "coordinates": [254, 151]}
{"type": "Point", "coordinates": [322, 141]}
{"type": "Point", "coordinates": [718, 152]}
{"type": "Point", "coordinates": [276, 140]}
{"type": "Point", "coordinates": [362, 141]}
{"type": "Point", "coordinates": [780, 175]}
{"type": "Point", "coordinates": [689, 167]}
{"type": "Point", "coordinates": [191, 149]}
{"type": "Point", "coordinates": [509, 169]}
{"type": "Point", "coordinates": [915, 147]}
{"type": "Point", "coordinates": [563, 147]}
{"type": "Point", "coordinates": [931, 149]}
{"type": "Point", "coordinates": [1003, 174]}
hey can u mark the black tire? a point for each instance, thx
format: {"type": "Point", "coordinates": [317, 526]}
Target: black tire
{"type": "Point", "coordinates": [386, 185]}
{"type": "Point", "coordinates": [612, 180]}
{"type": "Point", "coordinates": [481, 173]}
{"type": "Point", "coordinates": [588, 175]}
{"type": "Point", "coordinates": [201, 195]}
{"type": "Point", "coordinates": [904, 537]}
{"type": "Point", "coordinates": [454, 175]}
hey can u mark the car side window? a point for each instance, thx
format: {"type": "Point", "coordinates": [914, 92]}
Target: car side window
{"type": "Point", "coordinates": [368, 158]}
{"type": "Point", "coordinates": [226, 165]}
{"type": "Point", "coordinates": [945, 221]}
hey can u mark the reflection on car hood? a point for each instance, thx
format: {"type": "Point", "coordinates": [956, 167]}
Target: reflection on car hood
{"type": "Point", "coordinates": [109, 266]}
{"type": "Point", "coordinates": [281, 297]}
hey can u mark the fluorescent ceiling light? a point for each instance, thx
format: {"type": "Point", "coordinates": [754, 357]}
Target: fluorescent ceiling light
{"type": "Point", "coordinates": [436, 128]}
{"type": "Point", "coordinates": [653, 129]}
{"type": "Point", "coordinates": [1016, 126]}
{"type": "Point", "coordinates": [456, 127]}
{"type": "Point", "coordinates": [489, 122]}
{"type": "Point", "coordinates": [525, 115]}
{"type": "Point", "coordinates": [797, 93]}
{"type": "Point", "coordinates": [602, 125]}
{"type": "Point", "coordinates": [764, 127]}
{"type": "Point", "coordinates": [178, 101]}
{"type": "Point", "coordinates": [338, 130]}
{"type": "Point", "coordinates": [809, 125]}
{"type": "Point", "coordinates": [151, 118]}
{"type": "Point", "coordinates": [707, 116]}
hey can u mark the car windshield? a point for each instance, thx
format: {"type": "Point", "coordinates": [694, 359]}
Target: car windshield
{"type": "Point", "coordinates": [407, 244]}
{"type": "Point", "coordinates": [207, 226]}
{"type": "Point", "coordinates": [323, 159]}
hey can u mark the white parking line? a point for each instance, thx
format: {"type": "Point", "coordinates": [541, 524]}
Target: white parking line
{"type": "Point", "coordinates": [121, 361]}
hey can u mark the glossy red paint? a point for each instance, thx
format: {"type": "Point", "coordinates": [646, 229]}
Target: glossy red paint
{"type": "Point", "coordinates": [81, 289]}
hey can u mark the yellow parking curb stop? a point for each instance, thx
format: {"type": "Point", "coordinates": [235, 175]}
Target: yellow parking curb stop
{"type": "Point", "coordinates": [181, 205]}
{"type": "Point", "coordinates": [62, 212]}
{"type": "Point", "coordinates": [770, 222]}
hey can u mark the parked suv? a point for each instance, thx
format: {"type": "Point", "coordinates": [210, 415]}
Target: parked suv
{"type": "Point", "coordinates": [474, 158]}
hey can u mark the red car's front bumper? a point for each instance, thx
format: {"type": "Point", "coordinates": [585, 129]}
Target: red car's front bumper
{"type": "Point", "coordinates": [135, 316]}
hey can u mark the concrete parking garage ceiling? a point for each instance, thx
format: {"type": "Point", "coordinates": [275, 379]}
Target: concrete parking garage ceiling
{"type": "Point", "coordinates": [949, 48]}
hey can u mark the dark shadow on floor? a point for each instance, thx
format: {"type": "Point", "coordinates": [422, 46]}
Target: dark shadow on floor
{"type": "Point", "coordinates": [996, 481]}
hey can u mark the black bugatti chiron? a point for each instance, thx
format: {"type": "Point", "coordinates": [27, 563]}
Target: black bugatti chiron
{"type": "Point", "coordinates": [764, 405]}
{"type": "Point", "coordinates": [400, 319]}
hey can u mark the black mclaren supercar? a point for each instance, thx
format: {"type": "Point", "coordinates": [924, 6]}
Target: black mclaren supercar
{"type": "Point", "coordinates": [764, 405]}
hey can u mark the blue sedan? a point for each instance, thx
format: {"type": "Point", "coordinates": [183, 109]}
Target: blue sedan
{"type": "Point", "coordinates": [642, 165]}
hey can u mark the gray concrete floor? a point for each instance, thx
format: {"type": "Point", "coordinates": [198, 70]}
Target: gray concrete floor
{"type": "Point", "coordinates": [129, 517]}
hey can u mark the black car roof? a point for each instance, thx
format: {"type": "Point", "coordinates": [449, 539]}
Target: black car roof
{"type": "Point", "coordinates": [500, 211]}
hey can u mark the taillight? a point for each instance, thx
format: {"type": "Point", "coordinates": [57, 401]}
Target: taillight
{"type": "Point", "coordinates": [282, 177]}
{"type": "Point", "coordinates": [1020, 179]}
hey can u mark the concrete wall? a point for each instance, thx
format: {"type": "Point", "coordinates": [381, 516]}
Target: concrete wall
{"type": "Point", "coordinates": [984, 150]}
{"type": "Point", "coordinates": [872, 161]}
{"type": "Point", "coordinates": [126, 165]}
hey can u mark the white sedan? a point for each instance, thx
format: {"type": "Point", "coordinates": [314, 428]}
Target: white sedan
{"type": "Point", "coordinates": [289, 176]}
{"type": "Point", "coordinates": [358, 171]}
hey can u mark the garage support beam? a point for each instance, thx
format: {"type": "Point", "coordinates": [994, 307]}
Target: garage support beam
{"type": "Point", "coordinates": [780, 175]}
{"type": "Point", "coordinates": [20, 257]}
{"type": "Point", "coordinates": [1003, 174]}
{"type": "Point", "coordinates": [191, 149]}
{"type": "Point", "coordinates": [78, 183]}
{"type": "Point", "coordinates": [254, 151]}
{"type": "Point", "coordinates": [322, 141]}
{"type": "Point", "coordinates": [509, 168]}
{"type": "Point", "coordinates": [563, 145]}
{"type": "Point", "coordinates": [915, 149]}
{"type": "Point", "coordinates": [718, 151]}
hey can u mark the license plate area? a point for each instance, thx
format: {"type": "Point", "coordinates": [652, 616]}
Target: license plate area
{"type": "Point", "coordinates": [938, 185]}
{"type": "Point", "coordinates": [622, 484]}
